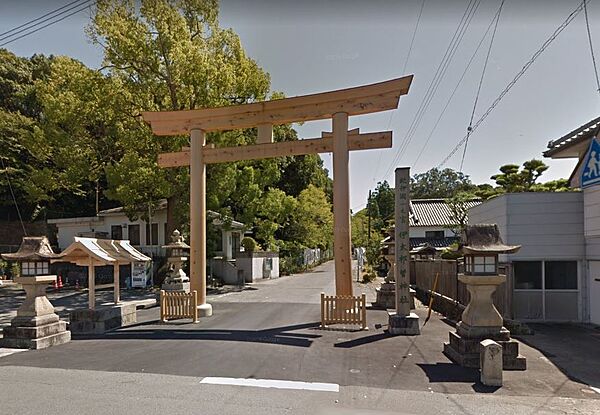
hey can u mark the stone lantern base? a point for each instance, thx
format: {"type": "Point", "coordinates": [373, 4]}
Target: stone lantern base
{"type": "Point", "coordinates": [36, 325]}
{"type": "Point", "coordinates": [464, 349]}
{"type": "Point", "coordinates": [481, 321]}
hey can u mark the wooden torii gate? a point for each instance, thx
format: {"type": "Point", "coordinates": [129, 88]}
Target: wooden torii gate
{"type": "Point", "coordinates": [336, 105]}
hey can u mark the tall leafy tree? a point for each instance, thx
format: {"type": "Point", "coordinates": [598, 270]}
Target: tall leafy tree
{"type": "Point", "coordinates": [437, 183]}
{"type": "Point", "coordinates": [169, 55]}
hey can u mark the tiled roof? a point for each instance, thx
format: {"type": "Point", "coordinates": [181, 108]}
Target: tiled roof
{"type": "Point", "coordinates": [576, 136]}
{"type": "Point", "coordinates": [433, 212]}
{"type": "Point", "coordinates": [435, 242]}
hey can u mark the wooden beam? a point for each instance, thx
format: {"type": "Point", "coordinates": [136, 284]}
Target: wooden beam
{"type": "Point", "coordinates": [341, 206]}
{"type": "Point", "coordinates": [116, 282]}
{"type": "Point", "coordinates": [198, 220]}
{"type": "Point", "coordinates": [91, 285]}
{"type": "Point", "coordinates": [364, 99]}
{"type": "Point", "coordinates": [265, 134]}
{"type": "Point", "coordinates": [366, 141]}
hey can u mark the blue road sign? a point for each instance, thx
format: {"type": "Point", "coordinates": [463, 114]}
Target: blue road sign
{"type": "Point", "coordinates": [590, 174]}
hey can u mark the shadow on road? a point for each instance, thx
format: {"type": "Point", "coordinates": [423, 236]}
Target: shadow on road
{"type": "Point", "coordinates": [151, 330]}
{"type": "Point", "coordinates": [449, 372]}
{"type": "Point", "coordinates": [362, 340]}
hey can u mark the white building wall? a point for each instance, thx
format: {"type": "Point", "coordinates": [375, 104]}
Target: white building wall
{"type": "Point", "coordinates": [419, 231]}
{"type": "Point", "coordinates": [69, 228]}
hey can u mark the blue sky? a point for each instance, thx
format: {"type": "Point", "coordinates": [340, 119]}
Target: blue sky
{"type": "Point", "coordinates": [314, 46]}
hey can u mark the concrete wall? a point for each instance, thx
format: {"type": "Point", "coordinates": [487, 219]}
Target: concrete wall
{"type": "Point", "coordinates": [252, 265]}
{"type": "Point", "coordinates": [547, 225]}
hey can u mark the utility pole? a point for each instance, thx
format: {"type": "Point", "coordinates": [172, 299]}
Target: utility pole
{"type": "Point", "coordinates": [369, 220]}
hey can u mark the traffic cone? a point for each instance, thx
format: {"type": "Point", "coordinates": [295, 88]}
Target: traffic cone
{"type": "Point", "coordinates": [60, 283]}
{"type": "Point", "coordinates": [54, 285]}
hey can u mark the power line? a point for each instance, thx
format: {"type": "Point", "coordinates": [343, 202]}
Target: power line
{"type": "Point", "coordinates": [519, 74]}
{"type": "Point", "coordinates": [12, 193]}
{"type": "Point", "coordinates": [487, 58]}
{"type": "Point", "coordinates": [589, 33]}
{"type": "Point", "coordinates": [437, 78]}
{"type": "Point", "coordinates": [433, 129]}
{"type": "Point", "coordinates": [86, 4]}
{"type": "Point", "coordinates": [4, 35]}
{"type": "Point", "coordinates": [410, 47]}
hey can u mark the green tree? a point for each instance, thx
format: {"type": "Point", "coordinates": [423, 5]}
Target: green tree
{"type": "Point", "coordinates": [169, 55]}
{"type": "Point", "coordinates": [512, 179]}
{"type": "Point", "coordinates": [459, 211]}
{"type": "Point", "coordinates": [436, 183]}
{"type": "Point", "coordinates": [383, 198]}
{"type": "Point", "coordinates": [312, 221]}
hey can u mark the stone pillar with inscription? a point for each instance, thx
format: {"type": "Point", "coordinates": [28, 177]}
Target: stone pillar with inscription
{"type": "Point", "coordinates": [402, 320]}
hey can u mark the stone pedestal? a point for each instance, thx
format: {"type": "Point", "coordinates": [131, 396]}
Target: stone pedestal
{"type": "Point", "coordinates": [481, 321]}
{"type": "Point", "coordinates": [406, 325]}
{"type": "Point", "coordinates": [36, 325]}
{"type": "Point", "coordinates": [176, 286]}
{"type": "Point", "coordinates": [386, 296]}
{"type": "Point", "coordinates": [102, 319]}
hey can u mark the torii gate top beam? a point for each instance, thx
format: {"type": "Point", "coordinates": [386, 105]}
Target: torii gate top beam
{"type": "Point", "coordinates": [352, 101]}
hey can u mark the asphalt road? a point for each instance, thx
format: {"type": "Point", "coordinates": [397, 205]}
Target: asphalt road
{"type": "Point", "coordinates": [270, 331]}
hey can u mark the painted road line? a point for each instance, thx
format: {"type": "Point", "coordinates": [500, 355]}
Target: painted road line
{"type": "Point", "coordinates": [273, 383]}
{"type": "Point", "coordinates": [597, 390]}
{"type": "Point", "coordinates": [4, 351]}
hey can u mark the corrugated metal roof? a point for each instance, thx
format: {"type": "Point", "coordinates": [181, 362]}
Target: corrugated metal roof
{"type": "Point", "coordinates": [576, 136]}
{"type": "Point", "coordinates": [433, 212]}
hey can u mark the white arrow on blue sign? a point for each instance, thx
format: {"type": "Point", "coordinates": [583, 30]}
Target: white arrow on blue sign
{"type": "Point", "coordinates": [590, 174]}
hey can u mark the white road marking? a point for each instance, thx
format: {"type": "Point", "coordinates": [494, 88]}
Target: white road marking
{"type": "Point", "coordinates": [273, 383]}
{"type": "Point", "coordinates": [597, 390]}
{"type": "Point", "coordinates": [5, 351]}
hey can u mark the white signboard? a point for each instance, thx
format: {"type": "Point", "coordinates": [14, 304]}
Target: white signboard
{"type": "Point", "coordinates": [140, 274]}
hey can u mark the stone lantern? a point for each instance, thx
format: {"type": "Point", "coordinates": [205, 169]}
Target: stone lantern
{"type": "Point", "coordinates": [178, 253]}
{"type": "Point", "coordinates": [36, 326]}
{"type": "Point", "coordinates": [481, 245]}
{"type": "Point", "coordinates": [386, 294]}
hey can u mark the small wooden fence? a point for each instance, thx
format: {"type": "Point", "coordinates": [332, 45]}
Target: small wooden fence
{"type": "Point", "coordinates": [343, 309]}
{"type": "Point", "coordinates": [178, 304]}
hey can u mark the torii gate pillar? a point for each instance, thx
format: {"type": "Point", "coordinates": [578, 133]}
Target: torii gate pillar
{"type": "Point", "coordinates": [341, 206]}
{"type": "Point", "coordinates": [198, 221]}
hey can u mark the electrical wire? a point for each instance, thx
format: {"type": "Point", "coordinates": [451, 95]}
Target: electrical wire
{"type": "Point", "coordinates": [86, 4]}
{"type": "Point", "coordinates": [410, 48]}
{"type": "Point", "coordinates": [518, 76]}
{"type": "Point", "coordinates": [487, 58]}
{"type": "Point", "coordinates": [436, 80]}
{"type": "Point", "coordinates": [7, 33]}
{"type": "Point", "coordinates": [13, 196]}
{"type": "Point", "coordinates": [589, 33]}
{"type": "Point", "coordinates": [434, 128]}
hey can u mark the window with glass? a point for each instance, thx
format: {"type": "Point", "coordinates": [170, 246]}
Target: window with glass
{"type": "Point", "coordinates": [434, 234]}
{"type": "Point", "coordinates": [152, 237]}
{"type": "Point", "coordinates": [116, 232]}
{"type": "Point", "coordinates": [480, 264]}
{"type": "Point", "coordinates": [560, 275]}
{"type": "Point", "coordinates": [527, 275]}
{"type": "Point", "coordinates": [34, 268]}
{"type": "Point", "coordinates": [134, 234]}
